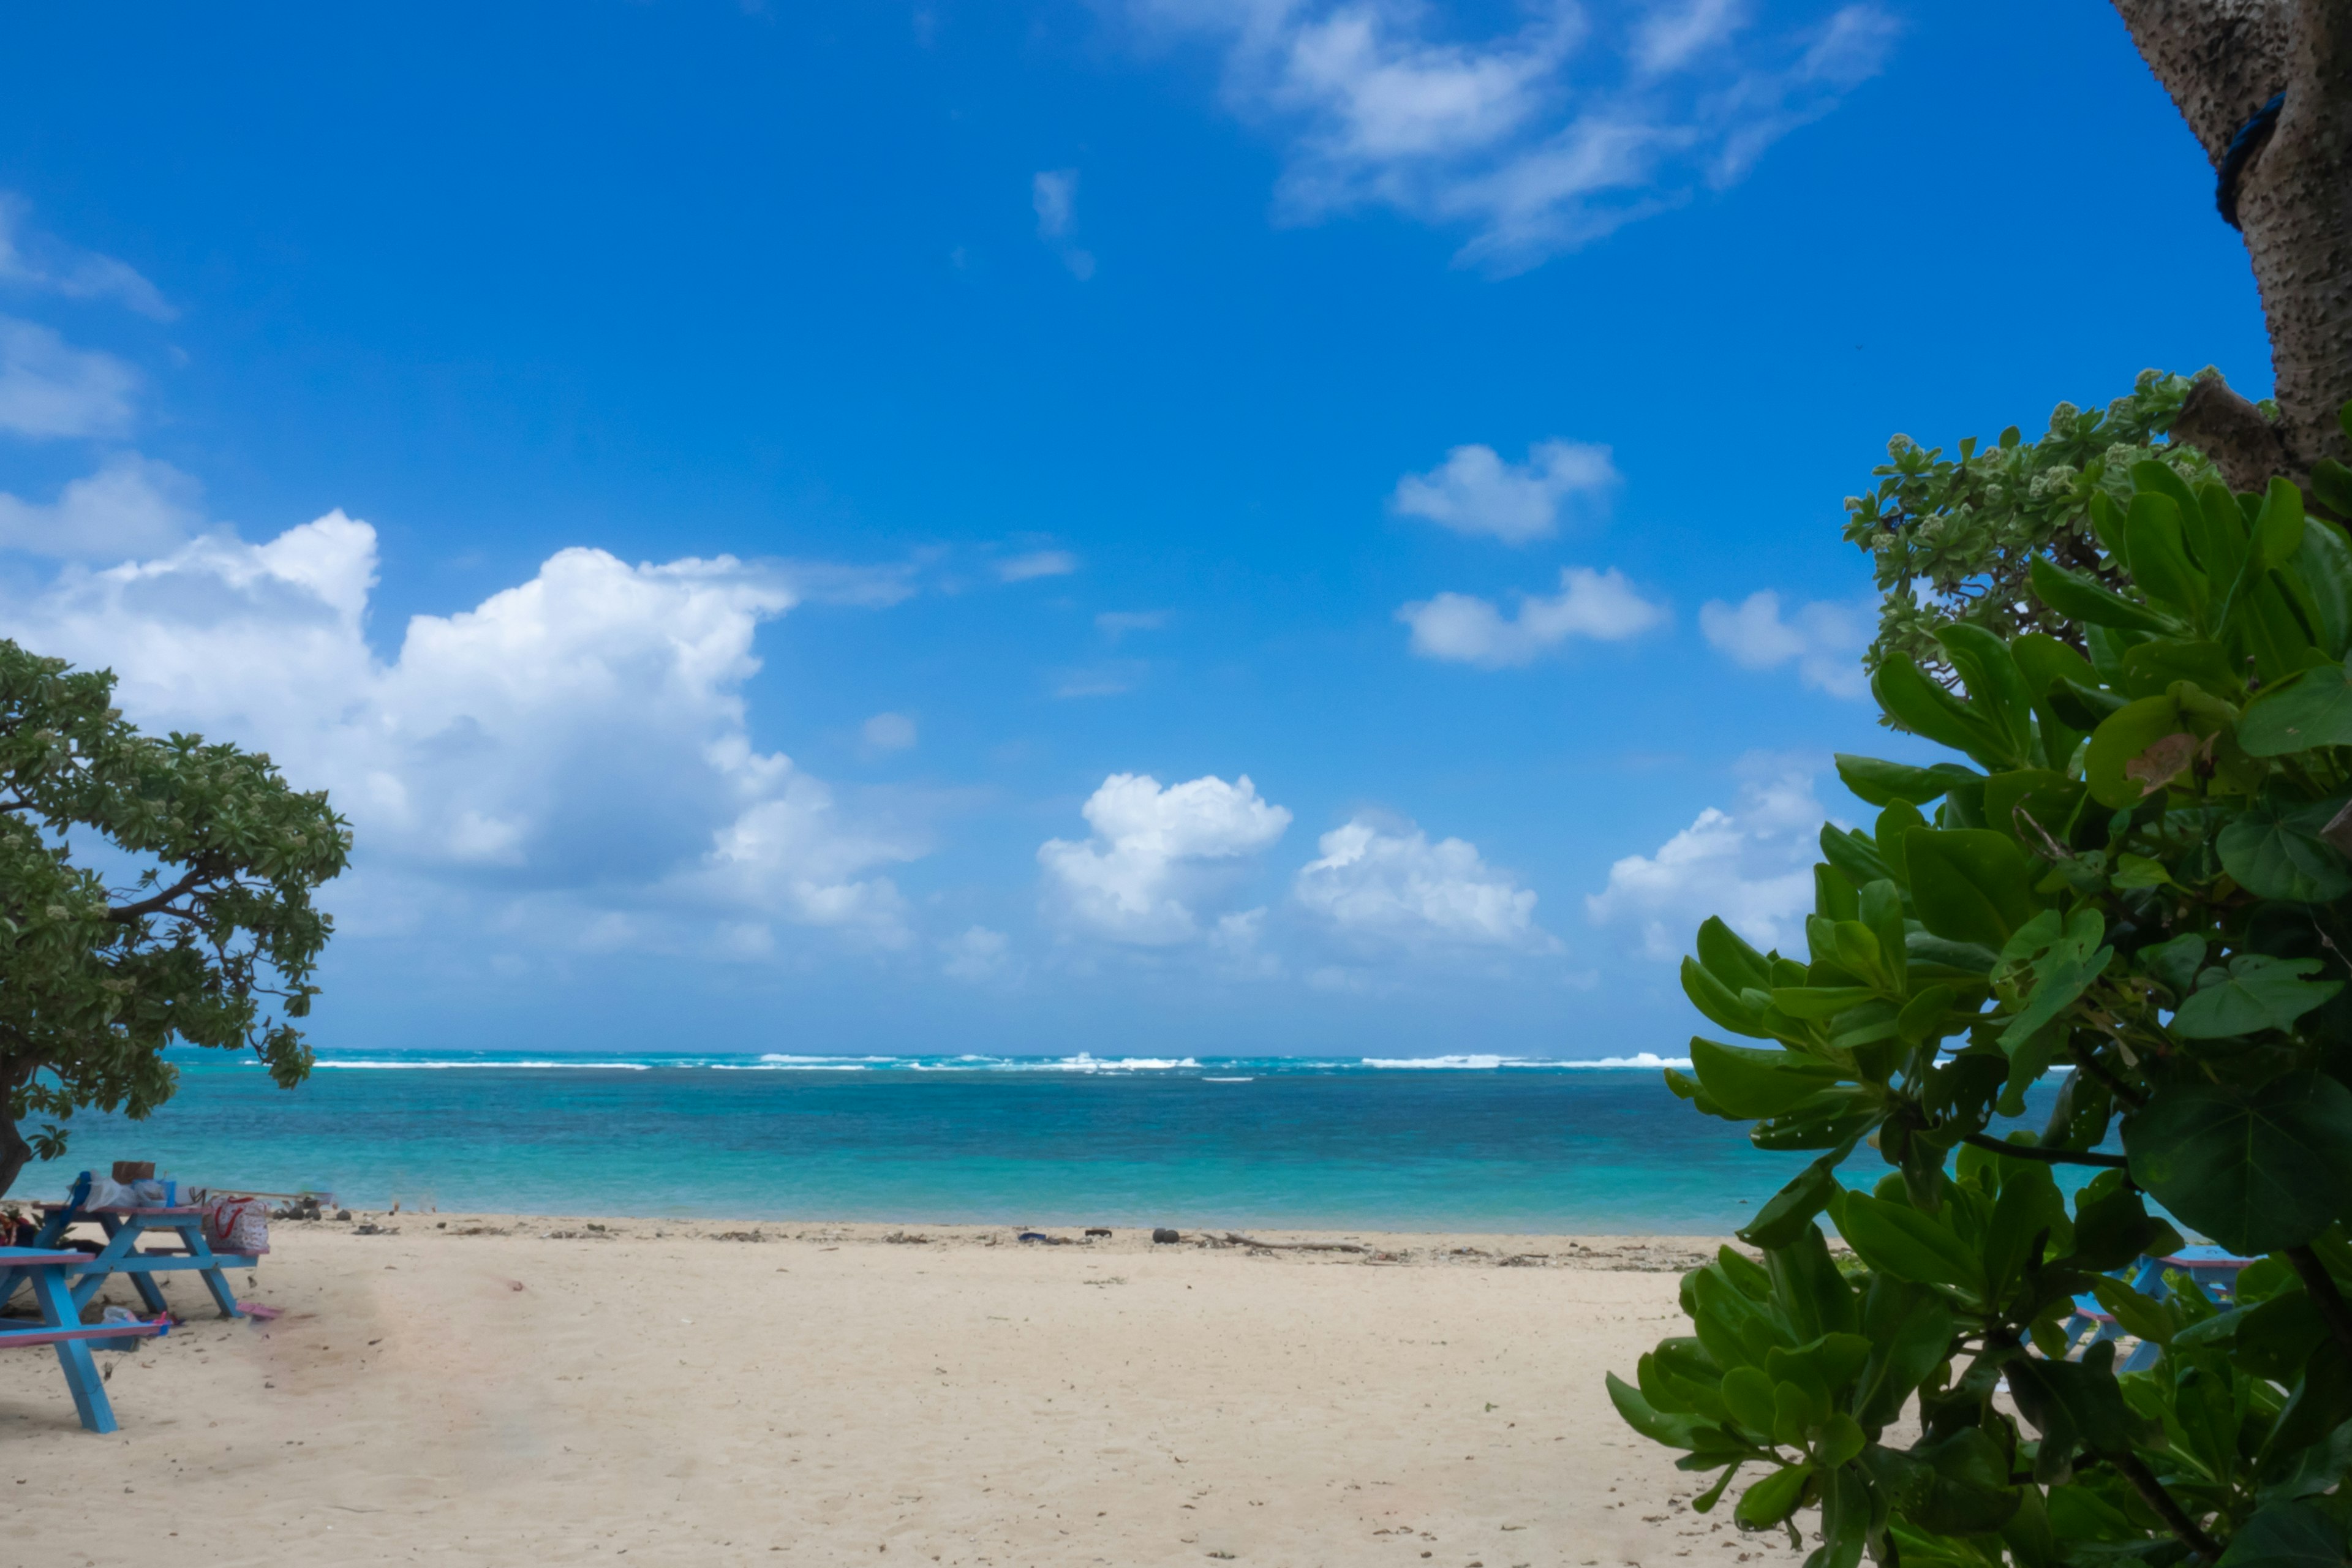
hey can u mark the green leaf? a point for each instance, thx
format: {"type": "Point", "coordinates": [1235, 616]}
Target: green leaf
{"type": "Point", "coordinates": [1902, 1242]}
{"type": "Point", "coordinates": [1882, 783]}
{"type": "Point", "coordinates": [2159, 556]}
{"type": "Point", "coordinates": [1750, 1083]}
{"type": "Point", "coordinates": [1771, 1500]}
{"type": "Point", "coordinates": [2275, 851]}
{"type": "Point", "coordinates": [2261, 993]}
{"type": "Point", "coordinates": [1674, 1431]}
{"type": "Point", "coordinates": [1748, 1395]}
{"type": "Point", "coordinates": [1920, 705]}
{"type": "Point", "coordinates": [2080, 599]}
{"type": "Point", "coordinates": [2259, 1170]}
{"type": "Point", "coordinates": [2060, 975]}
{"type": "Point", "coordinates": [1996, 691]}
{"type": "Point", "coordinates": [2278, 527]}
{"type": "Point", "coordinates": [2075, 1405]}
{"type": "Point", "coordinates": [2123, 738]}
{"type": "Point", "coordinates": [2312, 707]}
{"type": "Point", "coordinates": [1910, 1330]}
{"type": "Point", "coordinates": [2286, 1535]}
{"type": "Point", "coordinates": [1969, 885]}
{"type": "Point", "coordinates": [1788, 1213]}
{"type": "Point", "coordinates": [1722, 1006]}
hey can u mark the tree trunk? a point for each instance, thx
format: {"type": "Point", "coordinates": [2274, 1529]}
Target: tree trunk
{"type": "Point", "coordinates": [2221, 60]}
{"type": "Point", "coordinates": [14, 1152]}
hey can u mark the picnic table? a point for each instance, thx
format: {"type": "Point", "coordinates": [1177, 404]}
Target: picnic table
{"type": "Point", "coordinates": [61, 1326]}
{"type": "Point", "coordinates": [2212, 1270]}
{"type": "Point", "coordinates": [122, 1255]}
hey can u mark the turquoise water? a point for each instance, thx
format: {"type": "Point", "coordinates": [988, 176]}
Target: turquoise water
{"type": "Point", "coordinates": [1442, 1143]}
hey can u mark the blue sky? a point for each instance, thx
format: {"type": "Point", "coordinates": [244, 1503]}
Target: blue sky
{"type": "Point", "coordinates": [1143, 527]}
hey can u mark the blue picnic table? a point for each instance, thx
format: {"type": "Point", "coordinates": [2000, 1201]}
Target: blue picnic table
{"type": "Point", "coordinates": [62, 1327]}
{"type": "Point", "coordinates": [122, 1255]}
{"type": "Point", "coordinates": [2212, 1270]}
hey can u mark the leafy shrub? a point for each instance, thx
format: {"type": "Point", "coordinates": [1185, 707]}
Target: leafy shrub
{"type": "Point", "coordinates": [2136, 885]}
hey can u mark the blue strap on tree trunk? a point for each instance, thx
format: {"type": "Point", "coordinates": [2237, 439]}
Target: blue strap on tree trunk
{"type": "Point", "coordinates": [2240, 153]}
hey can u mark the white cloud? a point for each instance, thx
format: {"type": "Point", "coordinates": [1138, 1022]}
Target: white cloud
{"type": "Point", "coordinates": [887, 732]}
{"type": "Point", "coordinates": [1053, 193]}
{"type": "Point", "coordinates": [1670, 38]}
{"type": "Point", "coordinates": [1117, 624]}
{"type": "Point", "coordinates": [1475, 492]}
{"type": "Point", "coordinates": [1469, 630]}
{"type": "Point", "coordinates": [133, 506]}
{"type": "Point", "coordinates": [1824, 638]}
{"type": "Point", "coordinates": [1400, 888]}
{"type": "Point", "coordinates": [1537, 140]}
{"type": "Point", "coordinates": [1036, 563]}
{"type": "Point", "coordinates": [976, 954]}
{"type": "Point", "coordinates": [574, 746]}
{"type": "Point", "coordinates": [1752, 866]}
{"type": "Point", "coordinates": [47, 387]}
{"type": "Point", "coordinates": [1156, 854]}
{"type": "Point", "coordinates": [42, 263]}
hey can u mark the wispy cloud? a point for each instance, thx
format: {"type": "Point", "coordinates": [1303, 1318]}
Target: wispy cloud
{"type": "Point", "coordinates": [1036, 563]}
{"type": "Point", "coordinates": [1537, 140]}
{"type": "Point", "coordinates": [45, 264]}
{"type": "Point", "coordinates": [1598, 605]}
{"type": "Point", "coordinates": [1054, 195]}
{"type": "Point", "coordinates": [49, 388]}
{"type": "Point", "coordinates": [1117, 624]}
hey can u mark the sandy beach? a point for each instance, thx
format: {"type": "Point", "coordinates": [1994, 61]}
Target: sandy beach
{"type": "Point", "coordinates": [504, 1390]}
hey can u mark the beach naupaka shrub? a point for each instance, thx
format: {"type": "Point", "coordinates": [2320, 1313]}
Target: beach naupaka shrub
{"type": "Point", "coordinates": [190, 917]}
{"type": "Point", "coordinates": [2130, 880]}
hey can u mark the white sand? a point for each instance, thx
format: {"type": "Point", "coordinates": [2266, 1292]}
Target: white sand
{"type": "Point", "coordinates": [824, 1395]}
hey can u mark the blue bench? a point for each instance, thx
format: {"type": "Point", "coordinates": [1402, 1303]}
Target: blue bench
{"type": "Point", "coordinates": [62, 1327]}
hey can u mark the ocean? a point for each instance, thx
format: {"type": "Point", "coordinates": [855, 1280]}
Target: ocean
{"type": "Point", "coordinates": [1447, 1143]}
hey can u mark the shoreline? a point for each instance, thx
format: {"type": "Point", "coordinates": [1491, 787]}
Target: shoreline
{"type": "Point", "coordinates": [1636, 1253]}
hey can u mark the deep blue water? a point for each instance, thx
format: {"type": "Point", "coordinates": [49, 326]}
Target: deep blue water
{"type": "Point", "coordinates": [1475, 1144]}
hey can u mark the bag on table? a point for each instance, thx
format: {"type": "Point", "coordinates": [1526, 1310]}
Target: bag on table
{"type": "Point", "coordinates": [237, 1225]}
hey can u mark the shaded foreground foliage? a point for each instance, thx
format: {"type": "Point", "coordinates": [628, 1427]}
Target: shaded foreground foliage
{"type": "Point", "coordinates": [2133, 874]}
{"type": "Point", "coordinates": [212, 943]}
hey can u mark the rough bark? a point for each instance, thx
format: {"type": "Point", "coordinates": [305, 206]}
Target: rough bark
{"type": "Point", "coordinates": [2221, 60]}
{"type": "Point", "coordinates": [2246, 447]}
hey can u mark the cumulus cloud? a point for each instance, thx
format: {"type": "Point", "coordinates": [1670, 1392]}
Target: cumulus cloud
{"type": "Point", "coordinates": [1475, 492]}
{"type": "Point", "coordinates": [1751, 865]}
{"type": "Point", "coordinates": [1535, 140]}
{"type": "Point", "coordinates": [575, 746]}
{"type": "Point", "coordinates": [49, 388]}
{"type": "Point", "coordinates": [133, 506]}
{"type": "Point", "coordinates": [1399, 888]}
{"type": "Point", "coordinates": [1036, 563]}
{"type": "Point", "coordinates": [1157, 855]}
{"type": "Point", "coordinates": [42, 263]}
{"type": "Point", "coordinates": [1465, 629]}
{"type": "Point", "coordinates": [1053, 193]}
{"type": "Point", "coordinates": [1824, 640]}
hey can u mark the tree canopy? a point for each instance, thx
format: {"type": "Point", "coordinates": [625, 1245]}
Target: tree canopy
{"type": "Point", "coordinates": [207, 935]}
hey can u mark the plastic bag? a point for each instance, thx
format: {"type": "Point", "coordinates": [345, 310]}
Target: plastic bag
{"type": "Point", "coordinates": [105, 1192]}
{"type": "Point", "coordinates": [237, 1225]}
